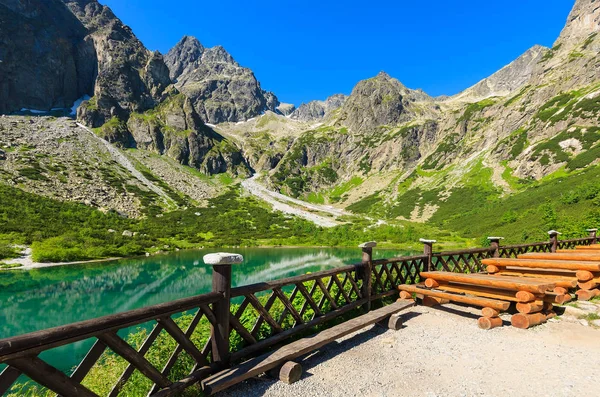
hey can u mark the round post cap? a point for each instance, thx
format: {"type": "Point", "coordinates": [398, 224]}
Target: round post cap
{"type": "Point", "coordinates": [495, 238]}
{"type": "Point", "coordinates": [222, 258]}
{"type": "Point", "coordinates": [425, 241]}
{"type": "Point", "coordinates": [369, 244]}
{"type": "Point", "coordinates": [554, 233]}
{"type": "Point", "coordinates": [591, 230]}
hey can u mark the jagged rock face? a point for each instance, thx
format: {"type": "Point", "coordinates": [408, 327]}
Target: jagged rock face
{"type": "Point", "coordinates": [286, 109]}
{"type": "Point", "coordinates": [130, 78]}
{"type": "Point", "coordinates": [382, 100]}
{"type": "Point", "coordinates": [316, 110]}
{"type": "Point", "coordinates": [175, 129]}
{"type": "Point", "coordinates": [507, 79]}
{"type": "Point", "coordinates": [220, 89]}
{"type": "Point", "coordinates": [583, 20]}
{"type": "Point", "coordinates": [46, 61]}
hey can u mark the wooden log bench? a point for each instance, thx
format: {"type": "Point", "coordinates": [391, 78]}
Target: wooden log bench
{"type": "Point", "coordinates": [281, 356]}
{"type": "Point", "coordinates": [533, 298]}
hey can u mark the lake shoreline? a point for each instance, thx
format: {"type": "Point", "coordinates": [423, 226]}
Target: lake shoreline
{"type": "Point", "coordinates": [27, 262]}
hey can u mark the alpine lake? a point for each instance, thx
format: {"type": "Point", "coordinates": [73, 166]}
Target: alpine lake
{"type": "Point", "coordinates": [53, 296]}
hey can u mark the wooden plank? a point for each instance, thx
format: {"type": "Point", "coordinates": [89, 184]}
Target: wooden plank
{"type": "Point", "coordinates": [286, 311]}
{"type": "Point", "coordinates": [558, 281]}
{"type": "Point", "coordinates": [571, 255]}
{"type": "Point", "coordinates": [177, 387]}
{"type": "Point", "coordinates": [275, 339]}
{"type": "Point", "coordinates": [88, 362]}
{"type": "Point", "coordinates": [269, 361]}
{"type": "Point", "coordinates": [264, 314]}
{"type": "Point", "coordinates": [326, 294]}
{"type": "Point", "coordinates": [122, 348]}
{"type": "Point", "coordinates": [130, 368]}
{"type": "Point", "coordinates": [50, 377]}
{"type": "Point", "coordinates": [239, 327]}
{"type": "Point", "coordinates": [543, 273]}
{"type": "Point", "coordinates": [288, 305]}
{"type": "Point", "coordinates": [341, 290]}
{"type": "Point", "coordinates": [544, 263]}
{"type": "Point", "coordinates": [35, 342]}
{"type": "Point", "coordinates": [479, 291]}
{"type": "Point", "coordinates": [175, 355]}
{"type": "Point", "coordinates": [269, 285]}
{"type": "Point", "coordinates": [510, 283]}
{"type": "Point", "coordinates": [8, 378]}
{"type": "Point", "coordinates": [476, 301]}
{"type": "Point", "coordinates": [183, 340]}
{"type": "Point", "coordinates": [310, 301]}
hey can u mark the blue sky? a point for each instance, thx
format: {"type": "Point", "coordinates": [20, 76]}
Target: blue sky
{"type": "Point", "coordinates": [306, 50]}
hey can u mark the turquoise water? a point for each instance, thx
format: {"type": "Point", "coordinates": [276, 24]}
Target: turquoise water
{"type": "Point", "coordinates": [44, 298]}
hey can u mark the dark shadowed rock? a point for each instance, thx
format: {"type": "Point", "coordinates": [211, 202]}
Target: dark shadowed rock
{"type": "Point", "coordinates": [130, 77]}
{"type": "Point", "coordinates": [46, 59]}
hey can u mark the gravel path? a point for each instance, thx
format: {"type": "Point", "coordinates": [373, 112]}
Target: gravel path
{"type": "Point", "coordinates": [442, 352]}
{"type": "Point", "coordinates": [125, 163]}
{"type": "Point", "coordinates": [283, 203]}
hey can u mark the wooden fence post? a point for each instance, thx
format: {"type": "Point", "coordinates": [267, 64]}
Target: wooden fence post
{"type": "Point", "coordinates": [553, 240]}
{"type": "Point", "coordinates": [367, 260]}
{"type": "Point", "coordinates": [428, 250]}
{"type": "Point", "coordinates": [495, 244]}
{"type": "Point", "coordinates": [221, 282]}
{"type": "Point", "coordinates": [593, 235]}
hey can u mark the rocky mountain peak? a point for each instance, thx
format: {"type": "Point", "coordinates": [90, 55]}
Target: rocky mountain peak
{"type": "Point", "coordinates": [507, 79]}
{"type": "Point", "coordinates": [383, 100]}
{"type": "Point", "coordinates": [583, 20]}
{"type": "Point", "coordinates": [218, 54]}
{"type": "Point", "coordinates": [185, 54]}
{"type": "Point", "coordinates": [220, 89]}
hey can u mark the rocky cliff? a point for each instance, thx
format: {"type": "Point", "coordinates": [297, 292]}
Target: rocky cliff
{"type": "Point", "coordinates": [316, 110]}
{"type": "Point", "coordinates": [46, 57]}
{"type": "Point", "coordinates": [130, 77]}
{"type": "Point", "coordinates": [507, 79]}
{"type": "Point", "coordinates": [220, 89]}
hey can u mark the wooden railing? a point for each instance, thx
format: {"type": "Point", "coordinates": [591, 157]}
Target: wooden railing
{"type": "Point", "coordinates": [243, 321]}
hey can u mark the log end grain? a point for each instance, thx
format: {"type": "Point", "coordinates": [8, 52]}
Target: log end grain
{"type": "Point", "coordinates": [290, 372]}
{"type": "Point", "coordinates": [431, 283]}
{"type": "Point", "coordinates": [525, 321]}
{"type": "Point", "coordinates": [489, 312]}
{"type": "Point", "coordinates": [489, 322]}
{"type": "Point", "coordinates": [525, 296]}
{"type": "Point", "coordinates": [395, 322]}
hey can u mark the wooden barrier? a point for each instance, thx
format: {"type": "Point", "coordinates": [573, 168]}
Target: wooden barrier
{"type": "Point", "coordinates": [308, 301]}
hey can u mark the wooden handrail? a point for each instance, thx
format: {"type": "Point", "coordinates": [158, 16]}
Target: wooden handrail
{"type": "Point", "coordinates": [468, 251]}
{"type": "Point", "coordinates": [23, 345]}
{"type": "Point", "coordinates": [269, 285]}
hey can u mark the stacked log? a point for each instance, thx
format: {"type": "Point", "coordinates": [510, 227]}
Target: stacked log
{"type": "Point", "coordinates": [532, 310]}
{"type": "Point", "coordinates": [490, 318]}
{"type": "Point", "coordinates": [588, 283]}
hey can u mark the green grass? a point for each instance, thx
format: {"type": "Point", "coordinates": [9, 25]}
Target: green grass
{"type": "Point", "coordinates": [9, 265]}
{"type": "Point", "coordinates": [475, 108]}
{"type": "Point", "coordinates": [568, 203]}
{"type": "Point", "coordinates": [518, 96]}
{"type": "Point", "coordinates": [61, 232]}
{"type": "Point", "coordinates": [514, 182]}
